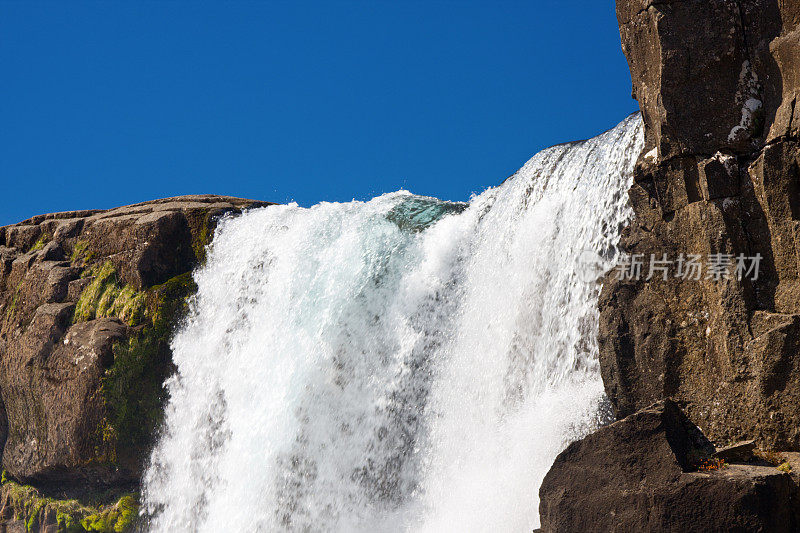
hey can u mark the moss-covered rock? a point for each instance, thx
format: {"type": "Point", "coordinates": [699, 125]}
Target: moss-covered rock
{"type": "Point", "coordinates": [37, 512]}
{"type": "Point", "coordinates": [105, 297]}
{"type": "Point", "coordinates": [132, 388]}
{"type": "Point", "coordinates": [118, 518]}
{"type": "Point", "coordinates": [81, 252]}
{"type": "Point", "coordinates": [88, 302]}
{"type": "Point", "coordinates": [40, 242]}
{"type": "Point", "coordinates": [201, 237]}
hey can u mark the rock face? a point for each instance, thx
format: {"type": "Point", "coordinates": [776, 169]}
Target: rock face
{"type": "Point", "coordinates": [87, 303]}
{"type": "Point", "coordinates": [640, 474]}
{"type": "Point", "coordinates": [718, 83]}
{"type": "Point", "coordinates": [24, 509]}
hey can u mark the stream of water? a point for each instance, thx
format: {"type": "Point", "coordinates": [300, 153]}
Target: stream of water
{"type": "Point", "coordinates": [401, 364]}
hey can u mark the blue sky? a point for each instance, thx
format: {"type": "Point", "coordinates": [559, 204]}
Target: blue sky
{"type": "Point", "coordinates": [110, 103]}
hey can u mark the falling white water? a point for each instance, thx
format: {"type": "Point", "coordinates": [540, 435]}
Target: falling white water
{"type": "Point", "coordinates": [403, 364]}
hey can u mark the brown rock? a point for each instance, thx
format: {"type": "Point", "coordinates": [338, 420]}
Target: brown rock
{"type": "Point", "coordinates": [638, 474]}
{"type": "Point", "coordinates": [693, 75]}
{"type": "Point", "coordinates": [739, 452]}
{"type": "Point", "coordinates": [56, 425]}
{"type": "Point", "coordinates": [719, 175]}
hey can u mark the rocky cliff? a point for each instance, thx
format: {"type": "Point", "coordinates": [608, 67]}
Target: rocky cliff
{"type": "Point", "coordinates": [718, 83]}
{"type": "Point", "coordinates": [88, 300]}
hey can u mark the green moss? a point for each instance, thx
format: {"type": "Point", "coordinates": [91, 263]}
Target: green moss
{"type": "Point", "coordinates": [29, 506]}
{"type": "Point", "coordinates": [39, 244]}
{"type": "Point", "coordinates": [116, 519]}
{"type": "Point", "coordinates": [129, 306]}
{"type": "Point", "coordinates": [784, 467]}
{"type": "Point", "coordinates": [104, 297]}
{"type": "Point", "coordinates": [68, 523]}
{"type": "Point", "coordinates": [168, 301]}
{"type": "Point", "coordinates": [202, 238]}
{"type": "Point", "coordinates": [72, 516]}
{"type": "Point", "coordinates": [12, 306]}
{"type": "Point", "coordinates": [81, 252]}
{"type": "Point", "coordinates": [105, 279]}
{"type": "Point", "coordinates": [132, 388]}
{"type": "Point", "coordinates": [33, 517]}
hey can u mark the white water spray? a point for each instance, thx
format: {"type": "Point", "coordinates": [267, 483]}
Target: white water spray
{"type": "Point", "coordinates": [403, 364]}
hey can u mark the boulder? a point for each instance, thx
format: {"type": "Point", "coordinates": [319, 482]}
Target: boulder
{"type": "Point", "coordinates": [643, 473]}
{"type": "Point", "coordinates": [712, 75]}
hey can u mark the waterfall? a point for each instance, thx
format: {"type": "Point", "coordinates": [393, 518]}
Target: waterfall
{"type": "Point", "coordinates": [401, 364]}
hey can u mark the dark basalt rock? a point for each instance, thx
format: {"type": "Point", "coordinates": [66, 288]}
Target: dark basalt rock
{"type": "Point", "coordinates": [717, 83]}
{"type": "Point", "coordinates": [640, 474]}
{"type": "Point", "coordinates": [87, 302]}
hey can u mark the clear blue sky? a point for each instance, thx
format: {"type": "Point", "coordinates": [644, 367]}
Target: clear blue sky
{"type": "Point", "coordinates": [110, 103]}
